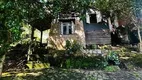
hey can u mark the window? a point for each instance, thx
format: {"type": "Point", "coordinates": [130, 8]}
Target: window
{"type": "Point", "coordinates": [67, 27]}
{"type": "Point", "coordinates": [95, 17]}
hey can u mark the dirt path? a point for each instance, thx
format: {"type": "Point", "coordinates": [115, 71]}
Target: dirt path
{"type": "Point", "coordinates": [77, 74]}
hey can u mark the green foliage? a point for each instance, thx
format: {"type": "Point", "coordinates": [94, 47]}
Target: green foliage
{"type": "Point", "coordinates": [3, 49]}
{"type": "Point", "coordinates": [136, 60]}
{"type": "Point", "coordinates": [15, 12]}
{"type": "Point", "coordinates": [72, 47]}
{"type": "Point", "coordinates": [94, 46]}
{"type": "Point", "coordinates": [119, 7]}
{"type": "Point", "coordinates": [113, 57]}
{"type": "Point", "coordinates": [97, 62]}
{"type": "Point", "coordinates": [75, 47]}
{"type": "Point", "coordinates": [66, 6]}
{"type": "Point", "coordinates": [111, 68]}
{"type": "Point", "coordinates": [68, 45]}
{"type": "Point", "coordinates": [4, 39]}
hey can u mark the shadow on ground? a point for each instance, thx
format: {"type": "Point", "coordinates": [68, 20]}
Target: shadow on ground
{"type": "Point", "coordinates": [52, 74]}
{"type": "Point", "coordinates": [75, 74]}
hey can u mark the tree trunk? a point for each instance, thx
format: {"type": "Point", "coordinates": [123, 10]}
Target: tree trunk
{"type": "Point", "coordinates": [109, 23]}
{"type": "Point", "coordinates": [1, 65]}
{"type": "Point", "coordinates": [140, 43]}
{"type": "Point", "coordinates": [116, 21]}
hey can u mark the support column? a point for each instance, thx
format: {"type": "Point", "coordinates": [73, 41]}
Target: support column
{"type": "Point", "coordinates": [32, 34]}
{"type": "Point", "coordinates": [41, 38]}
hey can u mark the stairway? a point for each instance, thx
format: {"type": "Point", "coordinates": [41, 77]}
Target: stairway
{"type": "Point", "coordinates": [15, 59]}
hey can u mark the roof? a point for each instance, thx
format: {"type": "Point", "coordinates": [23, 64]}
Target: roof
{"type": "Point", "coordinates": [94, 26]}
{"type": "Point", "coordinates": [42, 24]}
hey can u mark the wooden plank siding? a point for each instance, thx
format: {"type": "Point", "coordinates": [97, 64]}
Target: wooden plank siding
{"type": "Point", "coordinates": [97, 37]}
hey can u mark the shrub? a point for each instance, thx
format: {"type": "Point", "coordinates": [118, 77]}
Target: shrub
{"type": "Point", "coordinates": [113, 58]}
{"type": "Point", "coordinates": [97, 62]}
{"type": "Point", "coordinates": [111, 68]}
{"type": "Point", "coordinates": [72, 47]}
{"type": "Point", "coordinates": [136, 60]}
{"type": "Point", "coordinates": [56, 57]}
{"type": "Point", "coordinates": [68, 45]}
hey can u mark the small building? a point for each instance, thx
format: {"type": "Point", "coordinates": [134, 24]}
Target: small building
{"type": "Point", "coordinates": [93, 30]}
{"type": "Point", "coordinates": [96, 29]}
{"type": "Point", "coordinates": [66, 27]}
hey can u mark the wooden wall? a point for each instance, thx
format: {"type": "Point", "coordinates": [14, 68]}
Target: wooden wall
{"type": "Point", "coordinates": [98, 37]}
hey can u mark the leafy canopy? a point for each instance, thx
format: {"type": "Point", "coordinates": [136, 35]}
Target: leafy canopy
{"type": "Point", "coordinates": [15, 12]}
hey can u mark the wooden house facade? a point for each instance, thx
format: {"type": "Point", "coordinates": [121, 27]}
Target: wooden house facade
{"type": "Point", "coordinates": [93, 30]}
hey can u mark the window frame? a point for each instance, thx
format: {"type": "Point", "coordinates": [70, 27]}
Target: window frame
{"type": "Point", "coordinates": [67, 24]}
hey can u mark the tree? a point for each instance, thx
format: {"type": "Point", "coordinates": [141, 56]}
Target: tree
{"type": "Point", "coordinates": [128, 10]}
{"type": "Point", "coordinates": [14, 12]}
{"type": "Point", "coordinates": [119, 7]}
{"type": "Point", "coordinates": [137, 19]}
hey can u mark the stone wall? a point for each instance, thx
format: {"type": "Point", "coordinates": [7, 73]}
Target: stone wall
{"type": "Point", "coordinates": [94, 52]}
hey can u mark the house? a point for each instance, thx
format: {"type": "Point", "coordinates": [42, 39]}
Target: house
{"type": "Point", "coordinates": [93, 30]}
{"type": "Point", "coordinates": [96, 28]}
{"type": "Point", "coordinates": [66, 27]}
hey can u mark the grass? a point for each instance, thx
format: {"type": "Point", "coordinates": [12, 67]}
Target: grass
{"type": "Point", "coordinates": [111, 68]}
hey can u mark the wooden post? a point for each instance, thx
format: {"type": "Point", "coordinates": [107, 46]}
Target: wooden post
{"type": "Point", "coordinates": [32, 34]}
{"type": "Point", "coordinates": [41, 38]}
{"type": "Point", "coordinates": [29, 51]}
